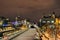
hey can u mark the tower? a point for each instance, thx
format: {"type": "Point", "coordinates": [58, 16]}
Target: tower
{"type": "Point", "coordinates": [53, 15]}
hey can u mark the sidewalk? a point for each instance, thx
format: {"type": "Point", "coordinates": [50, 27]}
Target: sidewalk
{"type": "Point", "coordinates": [15, 34]}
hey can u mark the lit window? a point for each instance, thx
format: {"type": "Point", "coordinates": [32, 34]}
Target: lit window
{"type": "Point", "coordinates": [52, 21]}
{"type": "Point", "coordinates": [44, 21]}
{"type": "Point", "coordinates": [48, 21]}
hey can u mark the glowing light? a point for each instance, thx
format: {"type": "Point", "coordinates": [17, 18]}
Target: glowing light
{"type": "Point", "coordinates": [5, 24]}
{"type": "Point", "coordinates": [1, 22]}
{"type": "Point", "coordinates": [57, 21]}
{"type": "Point", "coordinates": [48, 21]}
{"type": "Point", "coordinates": [44, 21]}
{"type": "Point", "coordinates": [52, 21]}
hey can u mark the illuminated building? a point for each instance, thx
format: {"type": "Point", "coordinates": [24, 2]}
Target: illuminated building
{"type": "Point", "coordinates": [50, 19]}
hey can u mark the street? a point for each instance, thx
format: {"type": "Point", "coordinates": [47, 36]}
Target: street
{"type": "Point", "coordinates": [28, 35]}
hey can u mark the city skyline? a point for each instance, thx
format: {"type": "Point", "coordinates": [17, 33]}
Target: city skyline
{"type": "Point", "coordinates": [31, 9]}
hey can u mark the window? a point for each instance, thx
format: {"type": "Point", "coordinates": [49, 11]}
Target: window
{"type": "Point", "coordinates": [52, 21]}
{"type": "Point", "coordinates": [44, 21]}
{"type": "Point", "coordinates": [48, 21]}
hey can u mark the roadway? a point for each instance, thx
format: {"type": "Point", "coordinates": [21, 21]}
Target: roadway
{"type": "Point", "coordinates": [28, 35]}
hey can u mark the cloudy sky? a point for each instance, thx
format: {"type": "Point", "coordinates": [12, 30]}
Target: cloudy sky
{"type": "Point", "coordinates": [32, 9]}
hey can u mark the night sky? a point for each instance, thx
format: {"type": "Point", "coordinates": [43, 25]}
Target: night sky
{"type": "Point", "coordinates": [32, 9]}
